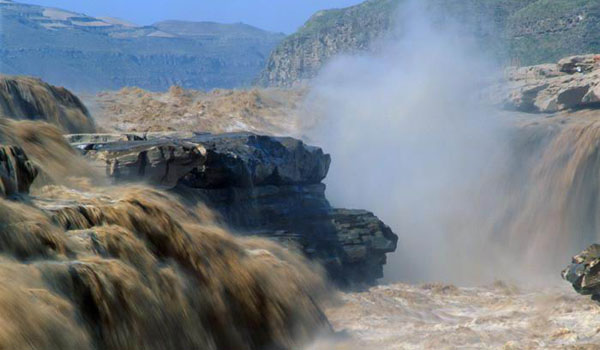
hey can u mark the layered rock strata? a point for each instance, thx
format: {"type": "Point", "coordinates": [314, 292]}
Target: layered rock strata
{"type": "Point", "coordinates": [260, 185]}
{"type": "Point", "coordinates": [572, 83]}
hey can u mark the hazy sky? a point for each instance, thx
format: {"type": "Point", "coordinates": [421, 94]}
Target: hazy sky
{"type": "Point", "coordinates": [276, 15]}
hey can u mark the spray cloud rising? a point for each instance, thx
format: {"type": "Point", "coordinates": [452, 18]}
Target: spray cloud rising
{"type": "Point", "coordinates": [413, 138]}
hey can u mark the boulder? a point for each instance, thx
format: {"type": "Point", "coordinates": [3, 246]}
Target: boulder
{"type": "Point", "coordinates": [248, 160]}
{"type": "Point", "coordinates": [584, 272]}
{"type": "Point", "coordinates": [16, 171]}
{"type": "Point", "coordinates": [365, 241]}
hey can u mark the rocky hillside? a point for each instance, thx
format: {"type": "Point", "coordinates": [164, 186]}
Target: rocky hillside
{"type": "Point", "coordinates": [515, 31]}
{"type": "Point", "coordinates": [26, 98]}
{"type": "Point", "coordinates": [85, 53]}
{"type": "Point", "coordinates": [326, 34]}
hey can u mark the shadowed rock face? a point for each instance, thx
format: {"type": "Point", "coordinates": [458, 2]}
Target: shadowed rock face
{"type": "Point", "coordinates": [26, 98]}
{"type": "Point", "coordinates": [16, 171]}
{"type": "Point", "coordinates": [260, 185]}
{"type": "Point", "coordinates": [584, 272]}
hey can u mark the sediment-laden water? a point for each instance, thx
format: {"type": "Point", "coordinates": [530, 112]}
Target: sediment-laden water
{"type": "Point", "coordinates": [439, 316]}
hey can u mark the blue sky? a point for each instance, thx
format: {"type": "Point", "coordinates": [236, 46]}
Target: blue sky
{"type": "Point", "coordinates": [276, 15]}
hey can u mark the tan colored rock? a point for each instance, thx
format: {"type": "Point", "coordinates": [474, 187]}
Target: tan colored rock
{"type": "Point", "coordinates": [579, 64]}
{"type": "Point", "coordinates": [572, 83]}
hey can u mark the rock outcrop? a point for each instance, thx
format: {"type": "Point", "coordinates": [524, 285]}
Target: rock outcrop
{"type": "Point", "coordinates": [26, 98]}
{"type": "Point", "coordinates": [572, 83]}
{"type": "Point", "coordinates": [525, 32]}
{"type": "Point", "coordinates": [584, 272]}
{"type": "Point", "coordinates": [16, 171]}
{"type": "Point", "coordinates": [260, 185]}
{"type": "Point", "coordinates": [326, 34]}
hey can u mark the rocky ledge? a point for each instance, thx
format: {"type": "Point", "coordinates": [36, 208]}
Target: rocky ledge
{"type": "Point", "coordinates": [584, 272]}
{"type": "Point", "coordinates": [260, 185]}
{"type": "Point", "coordinates": [572, 83]}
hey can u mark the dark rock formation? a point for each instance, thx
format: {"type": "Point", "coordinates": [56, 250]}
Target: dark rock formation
{"type": "Point", "coordinates": [159, 162]}
{"type": "Point", "coordinates": [16, 171]}
{"type": "Point", "coordinates": [584, 272]}
{"type": "Point", "coordinates": [260, 185]}
{"type": "Point", "coordinates": [27, 98]}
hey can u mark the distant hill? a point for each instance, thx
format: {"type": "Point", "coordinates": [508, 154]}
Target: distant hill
{"type": "Point", "coordinates": [514, 31]}
{"type": "Point", "coordinates": [86, 53]}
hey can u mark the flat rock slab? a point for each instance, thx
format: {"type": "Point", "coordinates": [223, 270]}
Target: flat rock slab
{"type": "Point", "coordinates": [572, 83]}
{"type": "Point", "coordinates": [205, 160]}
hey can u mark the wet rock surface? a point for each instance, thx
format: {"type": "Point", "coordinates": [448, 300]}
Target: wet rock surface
{"type": "Point", "coordinates": [16, 171]}
{"type": "Point", "coordinates": [260, 185]}
{"type": "Point", "coordinates": [584, 272]}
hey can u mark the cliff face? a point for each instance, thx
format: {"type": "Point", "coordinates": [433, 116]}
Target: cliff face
{"type": "Point", "coordinates": [523, 32]}
{"type": "Point", "coordinates": [326, 34]}
{"type": "Point", "coordinates": [266, 186]}
{"type": "Point", "coordinates": [86, 53]}
{"type": "Point", "coordinates": [26, 98]}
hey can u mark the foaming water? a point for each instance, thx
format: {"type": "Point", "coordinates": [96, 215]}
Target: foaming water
{"type": "Point", "coordinates": [439, 316]}
{"type": "Point", "coordinates": [102, 267]}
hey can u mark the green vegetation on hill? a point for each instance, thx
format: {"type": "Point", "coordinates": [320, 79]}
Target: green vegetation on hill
{"type": "Point", "coordinates": [514, 31]}
{"type": "Point", "coordinates": [548, 30]}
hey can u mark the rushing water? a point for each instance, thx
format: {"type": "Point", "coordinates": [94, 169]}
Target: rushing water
{"type": "Point", "coordinates": [439, 317]}
{"type": "Point", "coordinates": [89, 266]}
